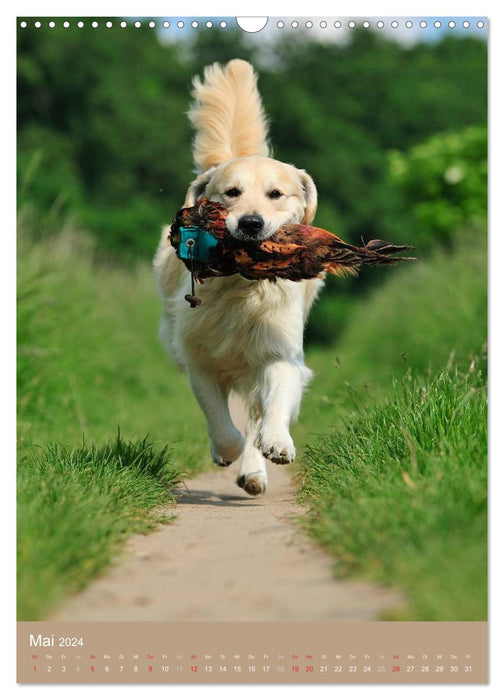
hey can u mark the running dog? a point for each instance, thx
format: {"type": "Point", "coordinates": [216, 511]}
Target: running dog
{"type": "Point", "coordinates": [246, 336]}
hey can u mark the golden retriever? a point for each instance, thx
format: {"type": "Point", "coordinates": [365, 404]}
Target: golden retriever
{"type": "Point", "coordinates": [246, 336]}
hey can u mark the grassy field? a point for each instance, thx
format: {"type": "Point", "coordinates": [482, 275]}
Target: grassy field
{"type": "Point", "coordinates": [90, 364]}
{"type": "Point", "coordinates": [89, 360]}
{"type": "Point", "coordinates": [422, 314]}
{"type": "Point", "coordinates": [399, 493]}
{"type": "Point", "coordinates": [397, 483]}
{"type": "Point", "coordinates": [76, 506]}
{"type": "Point", "coordinates": [395, 425]}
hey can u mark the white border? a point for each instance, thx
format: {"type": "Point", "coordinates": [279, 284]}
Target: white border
{"type": "Point", "coordinates": [258, 8]}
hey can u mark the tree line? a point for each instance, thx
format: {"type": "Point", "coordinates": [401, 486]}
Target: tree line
{"type": "Point", "coordinates": [103, 135]}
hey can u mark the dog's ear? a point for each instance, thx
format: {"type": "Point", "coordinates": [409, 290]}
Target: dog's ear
{"type": "Point", "coordinates": [310, 195]}
{"type": "Point", "coordinates": [197, 188]}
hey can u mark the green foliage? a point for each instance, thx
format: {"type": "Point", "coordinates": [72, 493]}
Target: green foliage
{"type": "Point", "coordinates": [396, 479]}
{"type": "Point", "coordinates": [103, 132]}
{"type": "Point", "coordinates": [89, 359]}
{"type": "Point", "coordinates": [419, 315]}
{"type": "Point", "coordinates": [216, 45]}
{"type": "Point", "coordinates": [76, 505]}
{"type": "Point", "coordinates": [423, 312]}
{"type": "Point", "coordinates": [116, 103]}
{"type": "Point", "coordinates": [338, 109]}
{"type": "Point", "coordinates": [399, 493]}
{"type": "Point", "coordinates": [420, 311]}
{"type": "Point", "coordinates": [444, 184]}
{"type": "Point", "coordinates": [395, 482]}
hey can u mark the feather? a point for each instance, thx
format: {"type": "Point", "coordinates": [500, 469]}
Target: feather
{"type": "Point", "coordinates": [294, 252]}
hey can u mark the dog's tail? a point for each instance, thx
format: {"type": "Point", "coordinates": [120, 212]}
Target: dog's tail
{"type": "Point", "coordinates": [228, 115]}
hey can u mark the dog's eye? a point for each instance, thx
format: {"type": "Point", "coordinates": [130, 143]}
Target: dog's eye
{"type": "Point", "coordinates": [274, 194]}
{"type": "Point", "coordinates": [233, 192]}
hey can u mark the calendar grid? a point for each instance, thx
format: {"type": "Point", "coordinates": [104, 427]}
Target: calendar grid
{"type": "Point", "coordinates": [302, 652]}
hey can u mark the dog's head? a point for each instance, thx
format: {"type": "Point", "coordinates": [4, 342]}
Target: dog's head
{"type": "Point", "coordinates": [260, 193]}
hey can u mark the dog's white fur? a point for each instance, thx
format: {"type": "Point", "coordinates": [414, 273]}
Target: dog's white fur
{"type": "Point", "coordinates": [246, 336]}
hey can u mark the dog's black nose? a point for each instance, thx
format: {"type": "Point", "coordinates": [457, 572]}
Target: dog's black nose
{"type": "Point", "coordinates": [251, 224]}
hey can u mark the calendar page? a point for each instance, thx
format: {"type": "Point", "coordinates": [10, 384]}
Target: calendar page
{"type": "Point", "coordinates": [252, 358]}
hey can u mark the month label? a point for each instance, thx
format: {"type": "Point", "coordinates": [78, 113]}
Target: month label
{"type": "Point", "coordinates": [332, 652]}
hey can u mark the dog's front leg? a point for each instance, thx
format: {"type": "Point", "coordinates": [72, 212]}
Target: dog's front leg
{"type": "Point", "coordinates": [252, 475]}
{"type": "Point", "coordinates": [280, 394]}
{"type": "Point", "coordinates": [226, 442]}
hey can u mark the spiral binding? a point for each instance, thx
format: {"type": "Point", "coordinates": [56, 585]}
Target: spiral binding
{"type": "Point", "coordinates": [290, 23]}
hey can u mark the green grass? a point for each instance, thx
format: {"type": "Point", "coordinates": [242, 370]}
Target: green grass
{"type": "Point", "coordinates": [394, 472]}
{"type": "Point", "coordinates": [89, 359]}
{"type": "Point", "coordinates": [76, 505]}
{"type": "Point", "coordinates": [394, 468]}
{"type": "Point", "coordinates": [423, 313]}
{"type": "Point", "coordinates": [90, 364]}
{"type": "Point", "coordinates": [399, 493]}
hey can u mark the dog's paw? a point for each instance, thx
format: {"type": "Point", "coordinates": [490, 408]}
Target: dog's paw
{"type": "Point", "coordinates": [226, 452]}
{"type": "Point", "coordinates": [277, 446]}
{"type": "Point", "coordinates": [254, 483]}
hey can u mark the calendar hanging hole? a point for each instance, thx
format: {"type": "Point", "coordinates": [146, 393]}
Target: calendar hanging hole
{"type": "Point", "coordinates": [252, 24]}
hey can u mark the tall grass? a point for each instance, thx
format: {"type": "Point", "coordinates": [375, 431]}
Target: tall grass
{"type": "Point", "coordinates": [399, 493]}
{"type": "Point", "coordinates": [90, 364]}
{"type": "Point", "coordinates": [76, 505]}
{"type": "Point", "coordinates": [395, 467]}
{"type": "Point", "coordinates": [423, 313]}
{"type": "Point", "coordinates": [89, 360]}
{"type": "Point", "coordinates": [394, 472]}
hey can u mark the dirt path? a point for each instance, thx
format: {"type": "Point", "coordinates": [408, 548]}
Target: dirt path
{"type": "Point", "coordinates": [227, 557]}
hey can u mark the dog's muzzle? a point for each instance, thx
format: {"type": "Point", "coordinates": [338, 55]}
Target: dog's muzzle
{"type": "Point", "coordinates": [251, 225]}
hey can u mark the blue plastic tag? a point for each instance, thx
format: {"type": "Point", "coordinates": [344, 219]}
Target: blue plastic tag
{"type": "Point", "coordinates": [199, 249]}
